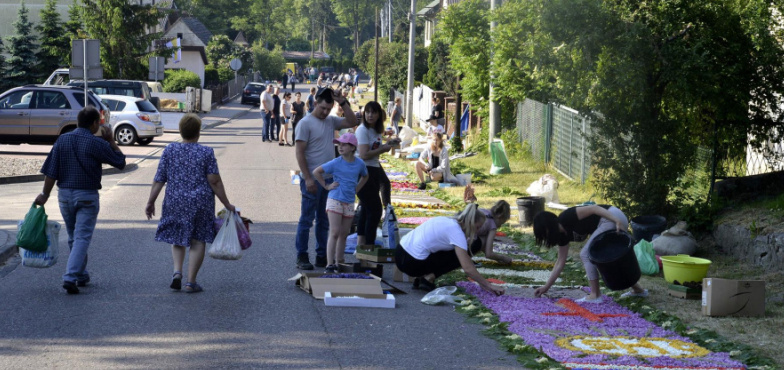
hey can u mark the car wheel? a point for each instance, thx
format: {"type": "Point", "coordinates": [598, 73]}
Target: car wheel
{"type": "Point", "coordinates": [144, 140]}
{"type": "Point", "coordinates": [125, 135]}
{"type": "Point", "coordinates": [67, 129]}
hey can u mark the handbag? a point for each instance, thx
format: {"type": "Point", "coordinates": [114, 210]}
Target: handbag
{"type": "Point", "coordinates": [389, 229]}
{"type": "Point", "coordinates": [47, 258]}
{"type": "Point", "coordinates": [226, 245]}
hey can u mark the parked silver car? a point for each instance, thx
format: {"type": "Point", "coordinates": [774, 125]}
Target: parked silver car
{"type": "Point", "coordinates": [133, 120]}
{"type": "Point", "coordinates": [38, 114]}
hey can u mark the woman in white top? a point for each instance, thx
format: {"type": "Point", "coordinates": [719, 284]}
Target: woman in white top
{"type": "Point", "coordinates": [285, 117]}
{"type": "Point", "coordinates": [439, 246]}
{"type": "Point", "coordinates": [434, 161]}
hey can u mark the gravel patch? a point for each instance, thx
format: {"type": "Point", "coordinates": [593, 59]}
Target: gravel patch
{"type": "Point", "coordinates": [20, 166]}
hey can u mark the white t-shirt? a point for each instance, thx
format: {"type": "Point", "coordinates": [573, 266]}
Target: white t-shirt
{"type": "Point", "coordinates": [267, 98]}
{"type": "Point", "coordinates": [318, 134]}
{"type": "Point", "coordinates": [435, 235]}
{"type": "Point", "coordinates": [369, 137]}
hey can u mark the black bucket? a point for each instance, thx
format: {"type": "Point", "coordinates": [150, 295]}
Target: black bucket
{"type": "Point", "coordinates": [645, 227]}
{"type": "Point", "coordinates": [613, 255]}
{"type": "Point", "coordinates": [527, 208]}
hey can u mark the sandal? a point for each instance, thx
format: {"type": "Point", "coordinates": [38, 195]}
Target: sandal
{"type": "Point", "coordinates": [176, 283]}
{"type": "Point", "coordinates": [281, 143]}
{"type": "Point", "coordinates": [193, 288]}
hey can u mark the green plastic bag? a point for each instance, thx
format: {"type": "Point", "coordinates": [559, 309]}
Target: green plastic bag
{"type": "Point", "coordinates": [646, 258]}
{"type": "Point", "coordinates": [32, 230]}
{"type": "Point", "coordinates": [500, 162]}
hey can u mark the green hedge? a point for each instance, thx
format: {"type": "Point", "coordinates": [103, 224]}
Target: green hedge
{"type": "Point", "coordinates": [178, 79]}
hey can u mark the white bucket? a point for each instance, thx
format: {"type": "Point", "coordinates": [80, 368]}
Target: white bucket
{"type": "Point", "coordinates": [464, 178]}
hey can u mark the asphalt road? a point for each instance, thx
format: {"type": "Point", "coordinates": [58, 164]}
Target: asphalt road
{"type": "Point", "coordinates": [249, 316]}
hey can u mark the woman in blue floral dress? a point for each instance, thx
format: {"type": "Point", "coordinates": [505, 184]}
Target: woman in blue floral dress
{"type": "Point", "coordinates": [190, 173]}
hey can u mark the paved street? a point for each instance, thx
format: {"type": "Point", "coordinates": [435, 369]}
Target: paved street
{"type": "Point", "coordinates": [249, 316]}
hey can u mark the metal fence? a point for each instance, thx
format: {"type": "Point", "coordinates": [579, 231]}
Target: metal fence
{"type": "Point", "coordinates": [229, 90]}
{"type": "Point", "coordinates": [555, 135]}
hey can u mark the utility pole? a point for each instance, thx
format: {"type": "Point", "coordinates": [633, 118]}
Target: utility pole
{"type": "Point", "coordinates": [375, 69]}
{"type": "Point", "coordinates": [410, 85]}
{"type": "Point", "coordinates": [389, 19]}
{"type": "Point", "coordinates": [495, 109]}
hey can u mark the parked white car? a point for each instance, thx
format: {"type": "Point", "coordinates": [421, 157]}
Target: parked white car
{"type": "Point", "coordinates": [133, 120]}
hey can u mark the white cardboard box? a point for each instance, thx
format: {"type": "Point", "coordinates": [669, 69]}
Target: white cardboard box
{"type": "Point", "coordinates": [359, 300]}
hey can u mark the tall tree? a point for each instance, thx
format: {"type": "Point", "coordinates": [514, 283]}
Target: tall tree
{"type": "Point", "coordinates": [122, 28]}
{"type": "Point", "coordinates": [74, 24]}
{"type": "Point", "coordinates": [22, 63]}
{"type": "Point", "coordinates": [356, 15]}
{"type": "Point", "coordinates": [55, 47]}
{"type": "Point", "coordinates": [3, 81]}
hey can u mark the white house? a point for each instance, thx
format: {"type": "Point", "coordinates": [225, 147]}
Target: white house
{"type": "Point", "coordinates": [195, 37]}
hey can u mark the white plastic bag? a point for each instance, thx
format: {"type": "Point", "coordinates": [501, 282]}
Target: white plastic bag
{"type": "Point", "coordinates": [389, 229]}
{"type": "Point", "coordinates": [407, 136]}
{"type": "Point", "coordinates": [226, 245]}
{"type": "Point", "coordinates": [442, 295]}
{"type": "Point", "coordinates": [49, 257]}
{"type": "Point", "coordinates": [674, 241]}
{"type": "Point", "coordinates": [547, 187]}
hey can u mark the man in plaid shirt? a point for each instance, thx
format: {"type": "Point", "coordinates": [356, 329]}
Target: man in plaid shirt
{"type": "Point", "coordinates": [75, 164]}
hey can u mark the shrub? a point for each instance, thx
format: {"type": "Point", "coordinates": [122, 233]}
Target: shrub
{"type": "Point", "coordinates": [178, 79]}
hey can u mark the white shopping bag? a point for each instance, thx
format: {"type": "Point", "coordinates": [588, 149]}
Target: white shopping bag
{"type": "Point", "coordinates": [389, 229]}
{"type": "Point", "coordinates": [49, 257]}
{"type": "Point", "coordinates": [226, 245]}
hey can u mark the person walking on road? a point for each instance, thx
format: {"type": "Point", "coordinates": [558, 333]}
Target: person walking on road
{"type": "Point", "coordinates": [190, 173]}
{"type": "Point", "coordinates": [349, 175]}
{"type": "Point", "coordinates": [74, 163]}
{"type": "Point", "coordinates": [293, 81]}
{"type": "Point", "coordinates": [311, 101]}
{"type": "Point", "coordinates": [267, 103]}
{"type": "Point", "coordinates": [286, 78]}
{"type": "Point", "coordinates": [298, 109]}
{"type": "Point", "coordinates": [397, 115]}
{"type": "Point", "coordinates": [314, 147]}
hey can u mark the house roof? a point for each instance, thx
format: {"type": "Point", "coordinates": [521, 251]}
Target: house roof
{"type": "Point", "coordinates": [430, 10]}
{"type": "Point", "coordinates": [198, 28]}
{"type": "Point", "coordinates": [240, 39]}
{"type": "Point", "coordinates": [304, 55]}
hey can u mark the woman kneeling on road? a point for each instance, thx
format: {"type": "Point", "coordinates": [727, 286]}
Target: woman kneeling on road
{"type": "Point", "coordinates": [439, 246]}
{"type": "Point", "coordinates": [574, 224]}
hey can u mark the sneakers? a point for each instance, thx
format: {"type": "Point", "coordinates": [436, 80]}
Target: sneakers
{"type": "Point", "coordinates": [642, 294]}
{"type": "Point", "coordinates": [331, 269]}
{"type": "Point", "coordinates": [321, 261]}
{"type": "Point", "coordinates": [70, 287]}
{"type": "Point", "coordinates": [303, 263]}
{"type": "Point", "coordinates": [422, 186]}
{"type": "Point", "coordinates": [586, 300]}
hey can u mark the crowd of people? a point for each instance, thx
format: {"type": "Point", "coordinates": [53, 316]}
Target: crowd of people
{"type": "Point", "coordinates": [334, 171]}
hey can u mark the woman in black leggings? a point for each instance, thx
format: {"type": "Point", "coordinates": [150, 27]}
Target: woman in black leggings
{"type": "Point", "coordinates": [369, 137]}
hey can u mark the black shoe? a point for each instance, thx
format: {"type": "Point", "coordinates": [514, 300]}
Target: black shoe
{"type": "Point", "coordinates": [70, 287]}
{"type": "Point", "coordinates": [422, 186]}
{"type": "Point", "coordinates": [426, 285]}
{"type": "Point", "coordinates": [321, 261]}
{"type": "Point", "coordinates": [82, 283]}
{"type": "Point", "coordinates": [303, 263]}
{"type": "Point", "coordinates": [331, 269]}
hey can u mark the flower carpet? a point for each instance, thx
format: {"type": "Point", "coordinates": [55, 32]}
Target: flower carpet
{"type": "Point", "coordinates": [602, 335]}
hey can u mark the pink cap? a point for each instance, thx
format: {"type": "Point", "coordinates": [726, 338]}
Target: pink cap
{"type": "Point", "coordinates": [347, 138]}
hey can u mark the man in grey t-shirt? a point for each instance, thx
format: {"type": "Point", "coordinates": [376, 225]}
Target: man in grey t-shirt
{"type": "Point", "coordinates": [314, 147]}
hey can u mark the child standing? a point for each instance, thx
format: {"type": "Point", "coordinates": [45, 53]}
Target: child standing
{"type": "Point", "coordinates": [346, 171]}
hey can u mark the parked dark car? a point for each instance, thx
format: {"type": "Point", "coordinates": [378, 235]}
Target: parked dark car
{"type": "Point", "coordinates": [252, 92]}
{"type": "Point", "coordinates": [38, 114]}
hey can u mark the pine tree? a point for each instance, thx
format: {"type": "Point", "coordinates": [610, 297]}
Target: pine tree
{"type": "Point", "coordinates": [55, 44]}
{"type": "Point", "coordinates": [74, 24]}
{"type": "Point", "coordinates": [22, 63]}
{"type": "Point", "coordinates": [3, 82]}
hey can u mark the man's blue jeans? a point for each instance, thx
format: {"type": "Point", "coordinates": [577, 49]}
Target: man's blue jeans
{"type": "Point", "coordinates": [80, 213]}
{"type": "Point", "coordinates": [314, 206]}
{"type": "Point", "coordinates": [267, 126]}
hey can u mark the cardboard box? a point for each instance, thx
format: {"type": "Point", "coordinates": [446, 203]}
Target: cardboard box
{"type": "Point", "coordinates": [359, 300]}
{"type": "Point", "coordinates": [313, 283]}
{"type": "Point", "coordinates": [402, 277]}
{"type": "Point", "coordinates": [362, 266]}
{"type": "Point", "coordinates": [375, 253]}
{"type": "Point", "coordinates": [681, 291]}
{"type": "Point", "coordinates": [723, 297]}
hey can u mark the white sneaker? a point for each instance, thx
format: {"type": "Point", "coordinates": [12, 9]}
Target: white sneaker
{"type": "Point", "coordinates": [635, 294]}
{"type": "Point", "coordinates": [586, 300]}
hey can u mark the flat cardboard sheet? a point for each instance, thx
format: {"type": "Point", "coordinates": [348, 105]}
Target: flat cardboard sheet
{"type": "Point", "coordinates": [359, 300]}
{"type": "Point", "coordinates": [313, 283]}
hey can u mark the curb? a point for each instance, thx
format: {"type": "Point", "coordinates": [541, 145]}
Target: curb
{"type": "Point", "coordinates": [7, 247]}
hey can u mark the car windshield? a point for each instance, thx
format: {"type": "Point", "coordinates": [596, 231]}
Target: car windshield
{"type": "Point", "coordinates": [146, 106]}
{"type": "Point", "coordinates": [254, 88]}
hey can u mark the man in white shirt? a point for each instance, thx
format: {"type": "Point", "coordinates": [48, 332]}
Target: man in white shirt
{"type": "Point", "coordinates": [265, 110]}
{"type": "Point", "coordinates": [314, 147]}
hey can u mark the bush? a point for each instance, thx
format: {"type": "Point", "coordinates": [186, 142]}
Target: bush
{"type": "Point", "coordinates": [211, 77]}
{"type": "Point", "coordinates": [178, 79]}
{"type": "Point", "coordinates": [225, 74]}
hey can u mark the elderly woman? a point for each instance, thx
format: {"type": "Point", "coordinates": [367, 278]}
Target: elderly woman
{"type": "Point", "coordinates": [190, 172]}
{"type": "Point", "coordinates": [573, 225]}
{"type": "Point", "coordinates": [441, 245]}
